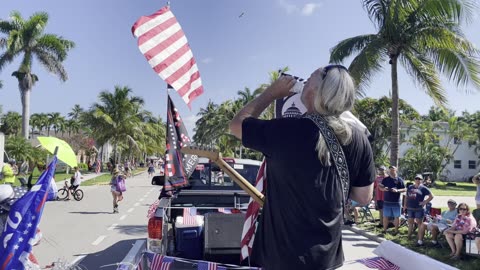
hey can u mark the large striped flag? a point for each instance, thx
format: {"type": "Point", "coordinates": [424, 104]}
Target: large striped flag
{"type": "Point", "coordinates": [162, 41]}
{"type": "Point", "coordinates": [253, 210]}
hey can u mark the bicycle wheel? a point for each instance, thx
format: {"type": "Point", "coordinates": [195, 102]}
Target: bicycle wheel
{"type": "Point", "coordinates": [62, 194]}
{"type": "Point", "coordinates": [78, 195]}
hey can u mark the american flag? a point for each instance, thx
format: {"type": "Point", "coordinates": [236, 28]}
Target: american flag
{"type": "Point", "coordinates": [248, 233]}
{"type": "Point", "coordinates": [160, 262]}
{"type": "Point", "coordinates": [162, 41]}
{"type": "Point", "coordinates": [379, 263]}
{"type": "Point", "coordinates": [152, 209]}
{"type": "Point", "coordinates": [190, 216]}
{"type": "Point", "coordinates": [19, 235]}
{"type": "Point", "coordinates": [209, 266]}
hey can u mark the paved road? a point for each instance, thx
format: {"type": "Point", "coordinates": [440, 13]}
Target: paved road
{"type": "Point", "coordinates": [89, 232]}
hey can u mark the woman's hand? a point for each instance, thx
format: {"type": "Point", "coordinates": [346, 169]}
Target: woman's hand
{"type": "Point", "coordinates": [281, 87]}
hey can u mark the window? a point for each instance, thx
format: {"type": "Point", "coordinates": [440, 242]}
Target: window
{"type": "Point", "coordinates": [457, 164]}
{"type": "Point", "coordinates": [472, 164]}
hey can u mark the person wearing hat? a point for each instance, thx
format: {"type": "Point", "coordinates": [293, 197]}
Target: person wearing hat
{"type": "Point", "coordinates": [392, 186]}
{"type": "Point", "coordinates": [438, 224]}
{"type": "Point", "coordinates": [382, 173]}
{"type": "Point", "coordinates": [415, 202]}
{"type": "Point", "coordinates": [117, 195]}
{"type": "Point", "coordinates": [8, 172]}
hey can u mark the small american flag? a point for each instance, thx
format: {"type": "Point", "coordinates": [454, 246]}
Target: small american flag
{"type": "Point", "coordinates": [162, 41]}
{"type": "Point", "coordinates": [160, 262]}
{"type": "Point", "coordinates": [379, 263]}
{"type": "Point", "coordinates": [209, 266]}
{"type": "Point", "coordinates": [190, 216]}
{"type": "Point", "coordinates": [225, 210]}
{"type": "Point", "coordinates": [248, 233]}
{"type": "Point", "coordinates": [152, 209]}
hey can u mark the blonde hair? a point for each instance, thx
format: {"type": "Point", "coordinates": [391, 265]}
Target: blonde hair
{"type": "Point", "coordinates": [335, 94]}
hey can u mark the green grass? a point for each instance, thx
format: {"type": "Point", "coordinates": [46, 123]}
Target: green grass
{"type": "Point", "coordinates": [104, 179]}
{"type": "Point", "coordinates": [439, 254]}
{"type": "Point", "coordinates": [461, 189]}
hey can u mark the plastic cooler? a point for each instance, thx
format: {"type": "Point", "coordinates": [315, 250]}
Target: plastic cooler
{"type": "Point", "coordinates": [189, 239]}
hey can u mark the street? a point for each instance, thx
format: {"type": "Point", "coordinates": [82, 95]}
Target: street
{"type": "Point", "coordinates": [89, 233]}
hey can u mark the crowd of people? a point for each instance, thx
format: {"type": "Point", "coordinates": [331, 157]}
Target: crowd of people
{"type": "Point", "coordinates": [397, 200]}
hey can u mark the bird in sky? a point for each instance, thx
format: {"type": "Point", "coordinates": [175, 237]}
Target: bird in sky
{"type": "Point", "coordinates": [241, 15]}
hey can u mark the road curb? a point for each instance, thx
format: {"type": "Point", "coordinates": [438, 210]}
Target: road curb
{"type": "Point", "coordinates": [363, 233]}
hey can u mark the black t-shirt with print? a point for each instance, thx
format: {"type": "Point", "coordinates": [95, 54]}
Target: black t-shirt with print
{"type": "Point", "coordinates": [300, 226]}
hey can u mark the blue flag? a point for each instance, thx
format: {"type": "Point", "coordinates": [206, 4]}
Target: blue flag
{"type": "Point", "coordinates": [23, 219]}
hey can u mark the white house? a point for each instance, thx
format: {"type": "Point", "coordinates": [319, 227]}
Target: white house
{"type": "Point", "coordinates": [464, 163]}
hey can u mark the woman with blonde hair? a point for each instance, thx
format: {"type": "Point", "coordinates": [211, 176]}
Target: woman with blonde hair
{"type": "Point", "coordinates": [305, 194]}
{"type": "Point", "coordinates": [463, 224]}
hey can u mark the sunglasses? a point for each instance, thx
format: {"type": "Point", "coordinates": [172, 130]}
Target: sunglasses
{"type": "Point", "coordinates": [329, 67]}
{"type": "Point", "coordinates": [418, 178]}
{"type": "Point", "coordinates": [462, 209]}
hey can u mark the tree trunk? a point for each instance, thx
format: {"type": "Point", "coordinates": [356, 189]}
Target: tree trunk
{"type": "Point", "coordinates": [25, 96]}
{"type": "Point", "coordinates": [395, 139]}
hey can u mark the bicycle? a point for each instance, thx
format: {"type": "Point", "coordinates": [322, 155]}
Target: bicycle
{"type": "Point", "coordinates": [62, 193]}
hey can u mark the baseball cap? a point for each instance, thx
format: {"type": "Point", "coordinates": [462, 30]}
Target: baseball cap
{"type": "Point", "coordinates": [383, 168]}
{"type": "Point", "coordinates": [392, 167]}
{"type": "Point", "coordinates": [452, 202]}
{"type": "Point", "coordinates": [419, 176]}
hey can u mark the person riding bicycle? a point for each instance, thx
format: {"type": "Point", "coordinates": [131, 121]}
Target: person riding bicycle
{"type": "Point", "coordinates": [76, 180]}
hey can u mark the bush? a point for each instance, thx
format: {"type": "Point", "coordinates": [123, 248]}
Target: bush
{"type": "Point", "coordinates": [83, 166]}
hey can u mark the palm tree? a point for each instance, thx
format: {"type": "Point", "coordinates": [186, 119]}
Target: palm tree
{"type": "Point", "coordinates": [11, 123]}
{"type": "Point", "coordinates": [27, 37]}
{"type": "Point", "coordinates": [76, 112]}
{"type": "Point", "coordinates": [118, 119]}
{"type": "Point", "coordinates": [57, 122]}
{"type": "Point", "coordinates": [425, 36]}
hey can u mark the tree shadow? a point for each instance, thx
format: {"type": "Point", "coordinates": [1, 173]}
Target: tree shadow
{"type": "Point", "coordinates": [108, 258]}
{"type": "Point", "coordinates": [132, 230]}
{"type": "Point", "coordinates": [90, 213]}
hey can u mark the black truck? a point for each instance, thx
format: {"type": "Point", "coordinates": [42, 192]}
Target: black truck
{"type": "Point", "coordinates": [205, 220]}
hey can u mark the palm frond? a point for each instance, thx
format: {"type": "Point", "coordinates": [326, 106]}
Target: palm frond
{"type": "Point", "coordinates": [376, 10]}
{"type": "Point", "coordinates": [423, 72]}
{"type": "Point", "coordinates": [349, 46]}
{"type": "Point", "coordinates": [366, 64]}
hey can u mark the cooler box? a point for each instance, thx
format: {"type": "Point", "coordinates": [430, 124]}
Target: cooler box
{"type": "Point", "coordinates": [189, 239]}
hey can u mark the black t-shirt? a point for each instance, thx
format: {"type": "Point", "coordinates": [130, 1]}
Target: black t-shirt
{"type": "Point", "coordinates": [300, 226]}
{"type": "Point", "coordinates": [389, 197]}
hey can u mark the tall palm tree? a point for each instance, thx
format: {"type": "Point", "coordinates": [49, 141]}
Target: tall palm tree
{"type": "Point", "coordinates": [425, 37]}
{"type": "Point", "coordinates": [27, 38]}
{"type": "Point", "coordinates": [117, 118]}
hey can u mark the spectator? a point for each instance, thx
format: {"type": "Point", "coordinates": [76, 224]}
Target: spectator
{"type": "Point", "coordinates": [437, 225]}
{"type": "Point", "coordinates": [382, 173]}
{"type": "Point", "coordinates": [392, 186]}
{"type": "Point", "coordinates": [463, 224]}
{"type": "Point", "coordinates": [9, 173]}
{"type": "Point", "coordinates": [415, 202]}
{"type": "Point", "coordinates": [476, 181]}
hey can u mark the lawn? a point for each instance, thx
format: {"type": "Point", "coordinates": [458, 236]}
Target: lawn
{"type": "Point", "coordinates": [460, 189]}
{"type": "Point", "coordinates": [440, 254]}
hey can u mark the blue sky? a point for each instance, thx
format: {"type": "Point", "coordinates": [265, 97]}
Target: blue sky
{"type": "Point", "coordinates": [232, 51]}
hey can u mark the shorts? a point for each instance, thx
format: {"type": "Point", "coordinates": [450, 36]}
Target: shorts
{"type": "Point", "coordinates": [391, 211]}
{"type": "Point", "coordinates": [441, 227]}
{"type": "Point", "coordinates": [415, 213]}
{"type": "Point", "coordinates": [74, 187]}
{"type": "Point", "coordinates": [379, 205]}
{"type": "Point", "coordinates": [355, 204]}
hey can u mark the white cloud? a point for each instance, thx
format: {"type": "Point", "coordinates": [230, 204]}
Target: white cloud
{"type": "Point", "coordinates": [306, 10]}
{"type": "Point", "coordinates": [207, 60]}
{"type": "Point", "coordinates": [289, 8]}
{"type": "Point", "coordinates": [309, 8]}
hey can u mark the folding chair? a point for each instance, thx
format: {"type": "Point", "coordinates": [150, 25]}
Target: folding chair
{"type": "Point", "coordinates": [365, 214]}
{"type": "Point", "coordinates": [433, 213]}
